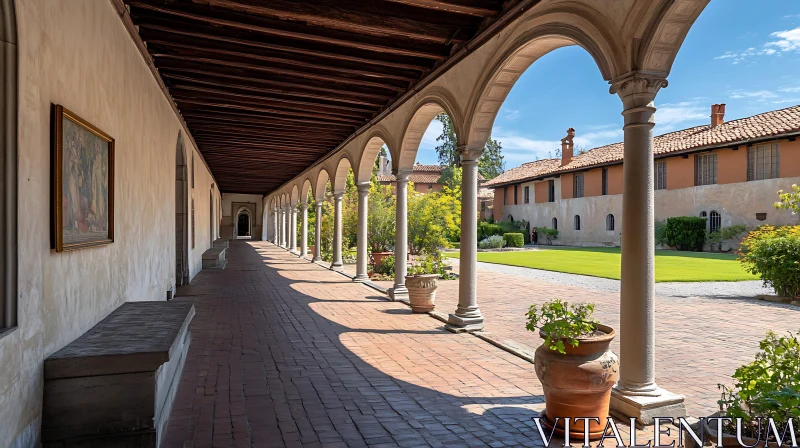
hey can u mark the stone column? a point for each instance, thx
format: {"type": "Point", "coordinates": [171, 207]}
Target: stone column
{"type": "Point", "coordinates": [275, 230]}
{"type": "Point", "coordinates": [293, 230]}
{"type": "Point", "coordinates": [636, 394]}
{"type": "Point", "coordinates": [304, 230]}
{"type": "Point", "coordinates": [317, 232]}
{"type": "Point", "coordinates": [287, 221]}
{"type": "Point", "coordinates": [467, 316]}
{"type": "Point", "coordinates": [337, 264]}
{"type": "Point", "coordinates": [282, 228]}
{"type": "Point", "coordinates": [399, 290]}
{"type": "Point", "coordinates": [363, 243]}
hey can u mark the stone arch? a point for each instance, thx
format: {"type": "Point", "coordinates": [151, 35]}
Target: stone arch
{"type": "Point", "coordinates": [8, 166]}
{"type": "Point", "coordinates": [295, 196]}
{"type": "Point", "coordinates": [561, 27]}
{"type": "Point", "coordinates": [663, 36]}
{"type": "Point", "coordinates": [376, 140]}
{"type": "Point", "coordinates": [304, 190]}
{"type": "Point", "coordinates": [247, 231]}
{"type": "Point", "coordinates": [339, 181]}
{"type": "Point", "coordinates": [427, 108]}
{"type": "Point", "coordinates": [319, 188]}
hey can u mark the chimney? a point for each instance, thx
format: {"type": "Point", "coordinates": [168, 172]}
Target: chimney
{"type": "Point", "coordinates": [717, 115]}
{"type": "Point", "coordinates": [567, 147]}
{"type": "Point", "coordinates": [384, 169]}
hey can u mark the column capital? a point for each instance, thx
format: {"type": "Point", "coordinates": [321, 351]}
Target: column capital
{"type": "Point", "coordinates": [304, 206]}
{"type": "Point", "coordinates": [363, 187]}
{"type": "Point", "coordinates": [638, 88]}
{"type": "Point", "coordinates": [401, 175]}
{"type": "Point", "coordinates": [468, 154]}
{"type": "Point", "coordinates": [338, 195]}
{"type": "Point", "coordinates": [318, 205]}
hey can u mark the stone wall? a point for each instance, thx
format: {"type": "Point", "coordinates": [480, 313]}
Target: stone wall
{"type": "Point", "coordinates": [78, 54]}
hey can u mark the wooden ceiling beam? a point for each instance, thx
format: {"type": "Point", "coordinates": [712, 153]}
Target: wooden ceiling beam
{"type": "Point", "coordinates": [450, 6]}
{"type": "Point", "coordinates": [267, 110]}
{"type": "Point", "coordinates": [309, 135]}
{"type": "Point", "coordinates": [330, 16]}
{"type": "Point", "coordinates": [281, 71]}
{"type": "Point", "coordinates": [267, 142]}
{"type": "Point", "coordinates": [240, 21]}
{"type": "Point", "coordinates": [170, 30]}
{"type": "Point", "coordinates": [272, 128]}
{"type": "Point", "coordinates": [376, 73]}
{"type": "Point", "coordinates": [258, 118]}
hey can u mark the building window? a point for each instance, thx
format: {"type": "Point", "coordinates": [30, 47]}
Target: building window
{"type": "Point", "coordinates": [705, 169]}
{"type": "Point", "coordinates": [526, 194]}
{"type": "Point", "coordinates": [505, 195]}
{"type": "Point", "coordinates": [763, 162]}
{"type": "Point", "coordinates": [430, 187]}
{"type": "Point", "coordinates": [661, 175]}
{"type": "Point", "coordinates": [715, 222]}
{"type": "Point", "coordinates": [193, 231]}
{"type": "Point", "coordinates": [577, 185]}
{"type": "Point", "coordinates": [555, 224]}
{"type": "Point", "coordinates": [551, 191]}
{"type": "Point", "coordinates": [610, 222]}
{"type": "Point", "coordinates": [577, 222]}
{"type": "Point", "coordinates": [515, 194]}
{"type": "Point", "coordinates": [605, 182]}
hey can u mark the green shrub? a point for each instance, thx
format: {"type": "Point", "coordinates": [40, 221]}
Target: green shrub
{"type": "Point", "coordinates": [548, 233]}
{"type": "Point", "coordinates": [773, 253]}
{"type": "Point", "coordinates": [385, 267]}
{"type": "Point", "coordinates": [560, 322]}
{"type": "Point", "coordinates": [768, 387]}
{"type": "Point", "coordinates": [519, 226]}
{"type": "Point", "coordinates": [685, 232]}
{"type": "Point", "coordinates": [492, 242]}
{"type": "Point", "coordinates": [486, 229]}
{"type": "Point", "coordinates": [514, 239]}
{"type": "Point", "coordinates": [661, 228]}
{"type": "Point", "coordinates": [430, 264]}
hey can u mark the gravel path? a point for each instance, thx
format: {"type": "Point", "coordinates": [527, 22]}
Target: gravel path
{"type": "Point", "coordinates": [721, 290]}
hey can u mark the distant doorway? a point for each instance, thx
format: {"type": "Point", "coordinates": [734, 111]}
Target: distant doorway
{"type": "Point", "coordinates": [181, 214]}
{"type": "Point", "coordinates": [243, 225]}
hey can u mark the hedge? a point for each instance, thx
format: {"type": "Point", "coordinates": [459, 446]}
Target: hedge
{"type": "Point", "coordinates": [486, 229]}
{"type": "Point", "coordinates": [773, 253]}
{"type": "Point", "coordinates": [685, 232]}
{"type": "Point", "coordinates": [514, 239]}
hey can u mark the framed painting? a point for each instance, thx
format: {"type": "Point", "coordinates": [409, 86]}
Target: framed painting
{"type": "Point", "coordinates": [83, 183]}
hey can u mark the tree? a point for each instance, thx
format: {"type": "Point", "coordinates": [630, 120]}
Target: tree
{"type": "Point", "coordinates": [491, 163]}
{"type": "Point", "coordinates": [789, 201]}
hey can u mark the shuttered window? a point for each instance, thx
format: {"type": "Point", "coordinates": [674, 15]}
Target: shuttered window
{"type": "Point", "coordinates": [763, 162]}
{"type": "Point", "coordinates": [577, 186]}
{"type": "Point", "coordinates": [661, 175]}
{"type": "Point", "coordinates": [705, 169]}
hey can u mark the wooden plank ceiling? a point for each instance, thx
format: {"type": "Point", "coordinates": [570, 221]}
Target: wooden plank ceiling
{"type": "Point", "coordinates": [268, 87]}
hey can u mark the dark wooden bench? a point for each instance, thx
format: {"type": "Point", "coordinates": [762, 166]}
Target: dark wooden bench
{"type": "Point", "coordinates": [113, 387]}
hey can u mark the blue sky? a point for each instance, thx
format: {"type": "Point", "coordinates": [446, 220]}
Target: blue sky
{"type": "Point", "coordinates": [744, 53]}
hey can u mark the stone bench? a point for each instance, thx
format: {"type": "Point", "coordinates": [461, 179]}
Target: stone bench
{"type": "Point", "coordinates": [222, 243]}
{"type": "Point", "coordinates": [113, 387]}
{"type": "Point", "coordinates": [214, 258]}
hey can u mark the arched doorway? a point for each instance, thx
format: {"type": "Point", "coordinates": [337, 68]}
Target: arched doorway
{"type": "Point", "coordinates": [243, 224]}
{"type": "Point", "coordinates": [8, 166]}
{"type": "Point", "coordinates": [181, 214]}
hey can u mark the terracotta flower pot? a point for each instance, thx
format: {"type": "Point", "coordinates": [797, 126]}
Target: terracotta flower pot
{"type": "Point", "coordinates": [729, 440]}
{"type": "Point", "coordinates": [422, 292]}
{"type": "Point", "coordinates": [377, 257]}
{"type": "Point", "coordinates": [578, 383]}
{"type": "Point", "coordinates": [311, 249]}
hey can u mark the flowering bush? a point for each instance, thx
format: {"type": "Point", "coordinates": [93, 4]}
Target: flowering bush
{"type": "Point", "coordinates": [773, 253]}
{"type": "Point", "coordinates": [492, 242]}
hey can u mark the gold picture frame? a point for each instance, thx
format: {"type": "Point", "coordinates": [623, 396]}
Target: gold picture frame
{"type": "Point", "coordinates": [82, 183]}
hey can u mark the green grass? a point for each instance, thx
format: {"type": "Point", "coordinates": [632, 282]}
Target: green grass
{"type": "Point", "coordinates": [671, 266]}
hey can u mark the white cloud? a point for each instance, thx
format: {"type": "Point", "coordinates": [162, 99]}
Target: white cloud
{"type": "Point", "coordinates": [428, 142]}
{"type": "Point", "coordinates": [790, 89]}
{"type": "Point", "coordinates": [759, 95]}
{"type": "Point", "coordinates": [674, 113]}
{"type": "Point", "coordinates": [782, 42]}
{"type": "Point", "coordinates": [512, 115]}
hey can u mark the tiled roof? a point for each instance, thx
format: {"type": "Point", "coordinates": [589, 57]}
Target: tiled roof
{"type": "Point", "coordinates": [774, 123]}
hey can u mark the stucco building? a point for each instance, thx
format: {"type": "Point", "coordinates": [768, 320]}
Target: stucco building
{"type": "Point", "coordinates": [726, 171]}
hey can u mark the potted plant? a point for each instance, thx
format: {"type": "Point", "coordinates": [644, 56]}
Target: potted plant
{"type": "Point", "coordinates": [575, 365]}
{"type": "Point", "coordinates": [422, 281]}
{"type": "Point", "coordinates": [768, 387]}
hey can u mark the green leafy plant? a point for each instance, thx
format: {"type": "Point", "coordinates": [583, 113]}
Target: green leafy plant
{"type": "Point", "coordinates": [660, 233]}
{"type": "Point", "coordinates": [790, 200]}
{"type": "Point", "coordinates": [733, 232]}
{"type": "Point", "coordinates": [773, 253]}
{"type": "Point", "coordinates": [381, 218]}
{"type": "Point", "coordinates": [385, 267]}
{"type": "Point", "coordinates": [432, 263]}
{"type": "Point", "coordinates": [487, 229]}
{"type": "Point", "coordinates": [685, 232]}
{"type": "Point", "coordinates": [514, 239]}
{"type": "Point", "coordinates": [548, 233]}
{"type": "Point", "coordinates": [561, 322]}
{"type": "Point", "coordinates": [492, 242]}
{"type": "Point", "coordinates": [768, 387]}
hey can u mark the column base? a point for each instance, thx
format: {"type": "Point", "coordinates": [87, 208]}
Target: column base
{"type": "Point", "coordinates": [458, 324]}
{"type": "Point", "coordinates": [658, 403]}
{"type": "Point", "coordinates": [361, 278]}
{"type": "Point", "coordinates": [316, 259]}
{"type": "Point", "coordinates": [294, 252]}
{"type": "Point", "coordinates": [398, 293]}
{"type": "Point", "coordinates": [337, 266]}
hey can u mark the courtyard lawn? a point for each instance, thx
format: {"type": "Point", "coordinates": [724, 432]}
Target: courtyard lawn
{"type": "Point", "coordinates": [671, 266]}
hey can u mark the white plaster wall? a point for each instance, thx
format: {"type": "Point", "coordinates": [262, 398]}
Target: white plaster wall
{"type": "Point", "coordinates": [738, 203]}
{"type": "Point", "coordinates": [227, 219]}
{"type": "Point", "coordinates": [77, 53]}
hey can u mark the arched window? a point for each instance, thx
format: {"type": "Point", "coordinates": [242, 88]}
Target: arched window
{"type": "Point", "coordinates": [577, 222]}
{"type": "Point", "coordinates": [510, 218]}
{"type": "Point", "coordinates": [610, 222]}
{"type": "Point", "coordinates": [715, 222]}
{"type": "Point", "coordinates": [703, 215]}
{"type": "Point", "coordinates": [555, 224]}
